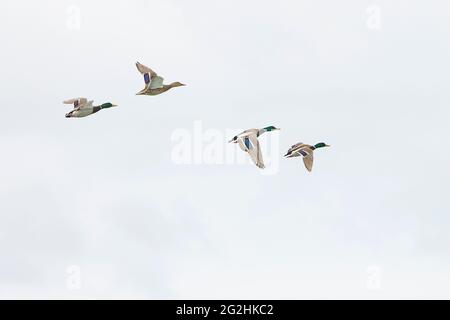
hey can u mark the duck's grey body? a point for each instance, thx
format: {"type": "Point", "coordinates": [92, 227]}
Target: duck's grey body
{"type": "Point", "coordinates": [154, 83]}
{"type": "Point", "coordinates": [80, 113]}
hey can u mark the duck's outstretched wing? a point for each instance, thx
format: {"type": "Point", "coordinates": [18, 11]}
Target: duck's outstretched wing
{"type": "Point", "coordinates": [305, 151]}
{"type": "Point", "coordinates": [308, 158]}
{"type": "Point", "coordinates": [292, 150]}
{"type": "Point", "coordinates": [87, 104]}
{"type": "Point", "coordinates": [145, 70]}
{"type": "Point", "coordinates": [151, 79]}
{"type": "Point", "coordinates": [250, 144]}
{"type": "Point", "coordinates": [296, 146]}
{"type": "Point", "coordinates": [77, 102]}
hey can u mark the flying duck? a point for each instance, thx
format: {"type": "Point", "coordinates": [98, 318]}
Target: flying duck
{"type": "Point", "coordinates": [305, 150]}
{"type": "Point", "coordinates": [154, 83]}
{"type": "Point", "coordinates": [248, 141]}
{"type": "Point", "coordinates": [83, 108]}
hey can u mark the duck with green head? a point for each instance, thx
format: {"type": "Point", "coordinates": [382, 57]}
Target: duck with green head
{"type": "Point", "coordinates": [305, 151]}
{"type": "Point", "coordinates": [154, 83]}
{"type": "Point", "coordinates": [248, 142]}
{"type": "Point", "coordinates": [83, 108]}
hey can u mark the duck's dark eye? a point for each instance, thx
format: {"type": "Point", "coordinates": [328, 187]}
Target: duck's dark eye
{"type": "Point", "coordinates": [235, 138]}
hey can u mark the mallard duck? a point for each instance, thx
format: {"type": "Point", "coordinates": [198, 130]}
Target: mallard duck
{"type": "Point", "coordinates": [83, 108]}
{"type": "Point", "coordinates": [248, 141]}
{"type": "Point", "coordinates": [305, 150]}
{"type": "Point", "coordinates": [154, 83]}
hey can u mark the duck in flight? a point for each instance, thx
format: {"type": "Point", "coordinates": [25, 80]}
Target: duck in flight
{"type": "Point", "coordinates": [306, 151]}
{"type": "Point", "coordinates": [154, 83]}
{"type": "Point", "coordinates": [248, 141]}
{"type": "Point", "coordinates": [83, 108]}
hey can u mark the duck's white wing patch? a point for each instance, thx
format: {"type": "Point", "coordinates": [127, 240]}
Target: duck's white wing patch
{"type": "Point", "coordinates": [86, 105]}
{"type": "Point", "coordinates": [77, 102]}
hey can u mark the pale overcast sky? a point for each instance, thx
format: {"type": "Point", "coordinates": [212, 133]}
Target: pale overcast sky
{"type": "Point", "coordinates": [98, 208]}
